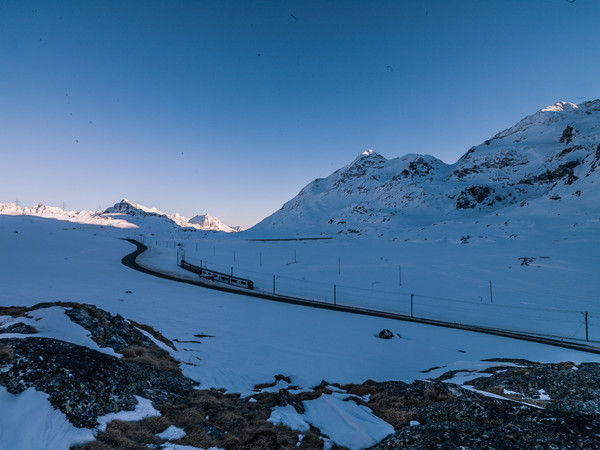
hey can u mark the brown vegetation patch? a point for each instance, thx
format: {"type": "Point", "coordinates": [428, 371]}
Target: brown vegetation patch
{"type": "Point", "coordinates": [152, 356]}
{"type": "Point", "coordinates": [14, 311]}
{"type": "Point", "coordinates": [6, 352]}
{"type": "Point", "coordinates": [209, 418]}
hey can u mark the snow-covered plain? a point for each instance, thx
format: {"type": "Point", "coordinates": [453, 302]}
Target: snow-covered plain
{"type": "Point", "coordinates": [480, 282]}
{"type": "Point", "coordinates": [49, 260]}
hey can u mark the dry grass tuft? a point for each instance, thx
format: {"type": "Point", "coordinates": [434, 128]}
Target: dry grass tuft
{"type": "Point", "coordinates": [393, 409]}
{"type": "Point", "coordinates": [210, 418]}
{"type": "Point", "coordinates": [152, 356]}
{"type": "Point", "coordinates": [6, 352]}
{"type": "Point", "coordinates": [14, 311]}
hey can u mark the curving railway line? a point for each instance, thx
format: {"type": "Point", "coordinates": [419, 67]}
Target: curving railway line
{"type": "Point", "coordinates": [130, 261]}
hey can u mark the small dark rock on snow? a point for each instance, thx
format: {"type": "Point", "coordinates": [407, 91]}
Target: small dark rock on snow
{"type": "Point", "coordinates": [385, 334]}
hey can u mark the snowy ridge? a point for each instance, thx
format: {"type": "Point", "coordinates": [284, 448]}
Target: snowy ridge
{"type": "Point", "coordinates": [551, 155]}
{"type": "Point", "coordinates": [123, 213]}
{"type": "Point", "coordinates": [201, 222]}
{"type": "Point", "coordinates": [208, 222]}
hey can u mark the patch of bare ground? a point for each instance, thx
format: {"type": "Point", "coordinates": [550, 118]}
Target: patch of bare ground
{"type": "Point", "coordinates": [6, 352]}
{"type": "Point", "coordinates": [209, 418]}
{"type": "Point", "coordinates": [152, 356]}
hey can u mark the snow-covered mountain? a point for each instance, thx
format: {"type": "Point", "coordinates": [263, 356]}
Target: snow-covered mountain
{"type": "Point", "coordinates": [122, 212]}
{"type": "Point", "coordinates": [551, 156]}
{"type": "Point", "coordinates": [202, 222]}
{"type": "Point", "coordinates": [208, 222]}
{"type": "Point", "coordinates": [43, 210]}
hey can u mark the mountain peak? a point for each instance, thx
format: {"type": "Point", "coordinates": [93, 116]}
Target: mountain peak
{"type": "Point", "coordinates": [369, 154]}
{"type": "Point", "coordinates": [369, 157]}
{"type": "Point", "coordinates": [206, 221]}
{"type": "Point", "coordinates": [560, 107]}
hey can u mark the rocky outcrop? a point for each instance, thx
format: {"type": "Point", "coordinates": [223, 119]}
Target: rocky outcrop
{"type": "Point", "coordinates": [82, 382]}
{"type": "Point", "coordinates": [472, 196]}
{"type": "Point", "coordinates": [85, 384]}
{"type": "Point", "coordinates": [535, 406]}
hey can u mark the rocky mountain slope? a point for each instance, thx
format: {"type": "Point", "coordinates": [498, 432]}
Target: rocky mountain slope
{"type": "Point", "coordinates": [553, 154]}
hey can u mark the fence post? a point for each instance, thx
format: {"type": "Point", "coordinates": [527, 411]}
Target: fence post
{"type": "Point", "coordinates": [411, 304]}
{"type": "Point", "coordinates": [334, 294]}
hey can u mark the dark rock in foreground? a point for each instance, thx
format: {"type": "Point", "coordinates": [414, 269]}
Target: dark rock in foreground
{"type": "Point", "coordinates": [83, 383]}
{"type": "Point", "coordinates": [544, 406]}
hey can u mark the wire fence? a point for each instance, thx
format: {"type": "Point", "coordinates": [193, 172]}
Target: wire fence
{"type": "Point", "coordinates": [550, 322]}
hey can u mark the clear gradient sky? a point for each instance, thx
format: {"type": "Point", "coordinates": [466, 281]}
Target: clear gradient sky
{"type": "Point", "coordinates": [231, 107]}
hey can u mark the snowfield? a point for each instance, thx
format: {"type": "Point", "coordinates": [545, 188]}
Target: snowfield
{"type": "Point", "coordinates": [251, 340]}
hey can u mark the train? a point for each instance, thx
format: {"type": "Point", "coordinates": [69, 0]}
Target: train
{"type": "Point", "coordinates": [213, 275]}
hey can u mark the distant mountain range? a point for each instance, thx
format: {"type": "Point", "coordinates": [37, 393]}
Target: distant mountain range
{"type": "Point", "coordinates": [551, 156]}
{"type": "Point", "coordinates": [121, 210]}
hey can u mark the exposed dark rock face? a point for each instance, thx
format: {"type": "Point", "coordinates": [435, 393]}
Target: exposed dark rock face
{"type": "Point", "coordinates": [472, 196]}
{"type": "Point", "coordinates": [417, 168]}
{"type": "Point", "coordinates": [107, 330]}
{"type": "Point", "coordinates": [595, 162]}
{"type": "Point", "coordinates": [20, 328]}
{"type": "Point", "coordinates": [83, 383]}
{"type": "Point", "coordinates": [550, 176]}
{"type": "Point", "coordinates": [567, 135]}
{"type": "Point", "coordinates": [284, 398]}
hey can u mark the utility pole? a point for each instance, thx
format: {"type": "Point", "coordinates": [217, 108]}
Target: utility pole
{"type": "Point", "coordinates": [294, 256]}
{"type": "Point", "coordinates": [411, 304]}
{"type": "Point", "coordinates": [491, 298]}
{"type": "Point", "coordinates": [586, 327]}
{"type": "Point", "coordinates": [334, 294]}
{"type": "Point", "coordinates": [400, 273]}
{"type": "Point", "coordinates": [273, 284]}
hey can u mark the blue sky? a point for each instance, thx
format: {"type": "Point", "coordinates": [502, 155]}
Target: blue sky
{"type": "Point", "coordinates": [231, 107]}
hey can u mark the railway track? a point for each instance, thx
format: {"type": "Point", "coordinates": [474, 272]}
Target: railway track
{"type": "Point", "coordinates": [130, 261]}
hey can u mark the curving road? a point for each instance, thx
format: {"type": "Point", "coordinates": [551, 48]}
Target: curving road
{"type": "Point", "coordinates": [130, 261]}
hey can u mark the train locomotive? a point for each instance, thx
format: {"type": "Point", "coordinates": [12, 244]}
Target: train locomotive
{"type": "Point", "coordinates": [213, 275]}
